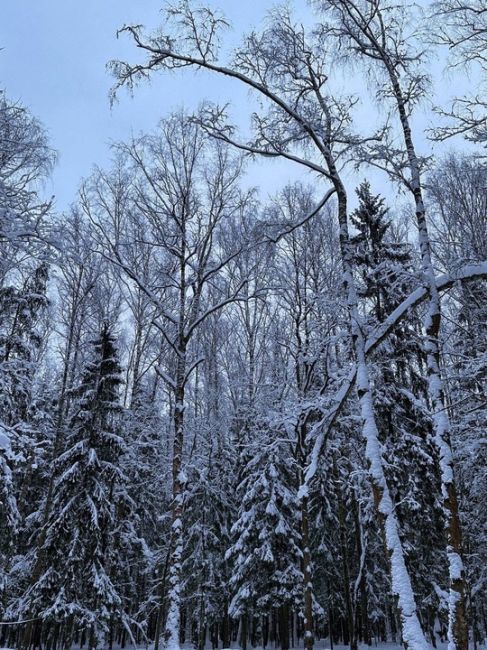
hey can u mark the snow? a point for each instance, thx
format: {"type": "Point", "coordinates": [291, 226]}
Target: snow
{"type": "Point", "coordinates": [260, 528]}
{"type": "Point", "coordinates": [321, 429]}
{"type": "Point", "coordinates": [456, 564]}
{"type": "Point", "coordinates": [319, 644]}
{"type": "Point", "coordinates": [4, 440]}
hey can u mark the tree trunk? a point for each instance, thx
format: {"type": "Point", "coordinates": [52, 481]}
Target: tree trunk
{"type": "Point", "coordinates": [401, 581]}
{"type": "Point", "coordinates": [243, 631]}
{"type": "Point", "coordinates": [173, 620]}
{"type": "Point", "coordinates": [362, 614]}
{"type": "Point", "coordinates": [457, 626]}
{"type": "Point", "coordinates": [346, 576]}
{"type": "Point", "coordinates": [284, 626]}
{"type": "Point", "coordinates": [225, 629]}
{"type": "Point", "coordinates": [308, 623]}
{"type": "Point", "coordinates": [307, 577]}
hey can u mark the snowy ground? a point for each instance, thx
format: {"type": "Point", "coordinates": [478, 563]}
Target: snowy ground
{"type": "Point", "coordinates": [322, 644]}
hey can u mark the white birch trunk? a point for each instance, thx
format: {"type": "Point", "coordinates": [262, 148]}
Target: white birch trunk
{"type": "Point", "coordinates": [401, 582]}
{"type": "Point", "coordinates": [457, 626]}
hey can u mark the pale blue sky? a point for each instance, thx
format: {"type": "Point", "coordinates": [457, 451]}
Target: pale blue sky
{"type": "Point", "coordinates": [54, 57]}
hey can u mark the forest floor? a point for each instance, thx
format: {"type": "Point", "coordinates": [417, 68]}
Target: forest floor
{"type": "Point", "coordinates": [321, 644]}
{"type": "Point", "coordinates": [324, 644]}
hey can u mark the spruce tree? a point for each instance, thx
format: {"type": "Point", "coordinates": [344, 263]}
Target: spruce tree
{"type": "Point", "coordinates": [265, 555]}
{"type": "Point", "coordinates": [9, 513]}
{"type": "Point", "coordinates": [146, 535]}
{"type": "Point", "coordinates": [23, 306]}
{"type": "Point", "coordinates": [209, 512]}
{"type": "Point", "coordinates": [385, 268]}
{"type": "Point", "coordinates": [22, 310]}
{"type": "Point", "coordinates": [89, 499]}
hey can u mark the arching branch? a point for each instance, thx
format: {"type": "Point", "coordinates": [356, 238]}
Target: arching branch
{"type": "Point", "coordinates": [322, 429]}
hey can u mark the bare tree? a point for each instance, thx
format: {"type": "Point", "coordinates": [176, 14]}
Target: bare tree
{"type": "Point", "coordinates": [457, 202]}
{"type": "Point", "coordinates": [308, 269]}
{"type": "Point", "coordinates": [184, 190]}
{"type": "Point", "coordinates": [309, 126]}
{"type": "Point", "coordinates": [461, 26]}
{"type": "Point", "coordinates": [379, 32]}
{"type": "Point", "coordinates": [25, 162]}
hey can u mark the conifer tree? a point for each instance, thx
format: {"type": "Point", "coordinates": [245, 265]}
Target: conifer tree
{"type": "Point", "coordinates": [265, 555]}
{"type": "Point", "coordinates": [208, 511]}
{"type": "Point", "coordinates": [76, 587]}
{"type": "Point", "coordinates": [22, 310]}
{"type": "Point", "coordinates": [9, 513]}
{"type": "Point", "coordinates": [145, 463]}
{"type": "Point", "coordinates": [385, 265]}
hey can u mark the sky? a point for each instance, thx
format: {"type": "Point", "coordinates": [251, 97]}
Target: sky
{"type": "Point", "coordinates": [53, 59]}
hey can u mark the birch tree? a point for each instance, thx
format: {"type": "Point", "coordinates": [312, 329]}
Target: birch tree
{"type": "Point", "coordinates": [457, 201]}
{"type": "Point", "coordinates": [461, 26]}
{"type": "Point", "coordinates": [288, 72]}
{"type": "Point", "coordinates": [184, 190]}
{"type": "Point", "coordinates": [377, 32]}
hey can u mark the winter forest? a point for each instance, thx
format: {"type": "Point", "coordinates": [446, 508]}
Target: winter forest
{"type": "Point", "coordinates": [235, 416]}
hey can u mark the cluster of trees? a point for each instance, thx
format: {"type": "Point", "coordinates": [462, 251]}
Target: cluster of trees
{"type": "Point", "coordinates": [233, 419]}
